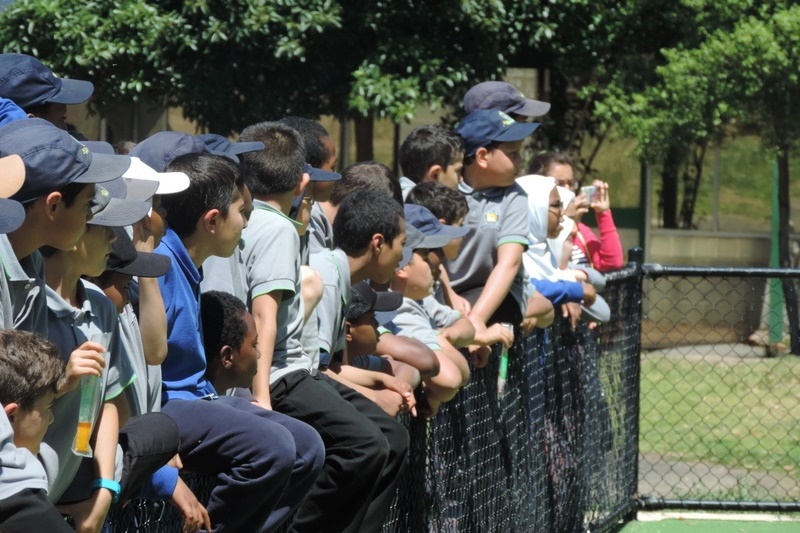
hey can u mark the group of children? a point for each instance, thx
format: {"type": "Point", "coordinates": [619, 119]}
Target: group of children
{"type": "Point", "coordinates": [248, 313]}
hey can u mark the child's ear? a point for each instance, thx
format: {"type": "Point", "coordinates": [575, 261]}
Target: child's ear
{"type": "Point", "coordinates": [210, 219]}
{"type": "Point", "coordinates": [347, 335]}
{"type": "Point", "coordinates": [11, 409]}
{"type": "Point", "coordinates": [433, 173]}
{"type": "Point", "coordinates": [481, 156]}
{"type": "Point", "coordinates": [52, 202]}
{"type": "Point", "coordinates": [226, 355]}
{"type": "Point", "coordinates": [302, 183]}
{"type": "Point", "coordinates": [378, 242]}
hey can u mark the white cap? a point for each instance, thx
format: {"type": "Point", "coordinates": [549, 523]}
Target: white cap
{"type": "Point", "coordinates": [168, 182]}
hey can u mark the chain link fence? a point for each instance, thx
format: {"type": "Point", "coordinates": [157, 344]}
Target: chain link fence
{"type": "Point", "coordinates": [720, 408]}
{"type": "Point", "coordinates": [556, 452]}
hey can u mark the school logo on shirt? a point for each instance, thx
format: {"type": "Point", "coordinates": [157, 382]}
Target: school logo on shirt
{"type": "Point", "coordinates": [491, 217]}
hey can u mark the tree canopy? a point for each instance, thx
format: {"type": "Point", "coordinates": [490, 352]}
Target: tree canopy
{"type": "Point", "coordinates": [229, 63]}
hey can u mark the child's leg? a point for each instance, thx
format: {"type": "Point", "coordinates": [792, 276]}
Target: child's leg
{"type": "Point", "coordinates": [252, 456]}
{"type": "Point", "coordinates": [31, 510]}
{"type": "Point", "coordinates": [404, 372]}
{"type": "Point", "coordinates": [148, 442]}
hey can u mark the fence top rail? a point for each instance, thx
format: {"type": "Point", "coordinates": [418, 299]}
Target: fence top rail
{"type": "Point", "coordinates": [654, 270]}
{"type": "Point", "coordinates": [629, 271]}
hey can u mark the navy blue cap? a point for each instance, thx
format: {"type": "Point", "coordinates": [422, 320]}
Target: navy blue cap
{"type": "Point", "coordinates": [111, 211]}
{"type": "Point", "coordinates": [53, 159]}
{"type": "Point", "coordinates": [219, 145]}
{"type": "Point", "coordinates": [159, 150]}
{"type": "Point", "coordinates": [12, 215]}
{"type": "Point", "coordinates": [436, 234]}
{"type": "Point", "coordinates": [414, 239]}
{"type": "Point", "coordinates": [317, 174]}
{"type": "Point", "coordinates": [503, 97]}
{"type": "Point", "coordinates": [364, 298]}
{"type": "Point", "coordinates": [485, 126]}
{"type": "Point", "coordinates": [27, 82]}
{"type": "Point", "coordinates": [124, 258]}
{"type": "Point", "coordinates": [9, 112]}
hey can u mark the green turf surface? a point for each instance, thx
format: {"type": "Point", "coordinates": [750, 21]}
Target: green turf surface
{"type": "Point", "coordinates": [715, 526]}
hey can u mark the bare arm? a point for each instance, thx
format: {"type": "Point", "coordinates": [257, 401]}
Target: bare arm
{"type": "Point", "coordinates": [265, 314]}
{"type": "Point", "coordinates": [460, 334]}
{"type": "Point", "coordinates": [409, 351]}
{"type": "Point", "coordinates": [509, 259]}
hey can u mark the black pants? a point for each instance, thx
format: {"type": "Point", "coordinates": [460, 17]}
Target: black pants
{"type": "Point", "coordinates": [147, 441]}
{"type": "Point", "coordinates": [30, 510]}
{"type": "Point", "coordinates": [365, 451]}
{"type": "Point", "coordinates": [264, 462]}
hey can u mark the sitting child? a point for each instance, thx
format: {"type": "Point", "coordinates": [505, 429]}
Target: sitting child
{"type": "Point", "coordinates": [32, 371]}
{"type": "Point", "coordinates": [231, 341]}
{"type": "Point", "coordinates": [362, 333]}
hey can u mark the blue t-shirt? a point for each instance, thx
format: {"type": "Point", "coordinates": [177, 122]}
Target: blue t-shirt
{"type": "Point", "coordinates": [183, 372]}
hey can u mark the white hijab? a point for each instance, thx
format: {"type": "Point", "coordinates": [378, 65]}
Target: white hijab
{"type": "Point", "coordinates": [538, 259]}
{"type": "Point", "coordinates": [567, 224]}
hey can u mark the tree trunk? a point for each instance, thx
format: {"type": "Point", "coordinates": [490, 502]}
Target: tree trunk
{"type": "Point", "coordinates": [669, 186]}
{"type": "Point", "coordinates": [789, 290]}
{"type": "Point", "coordinates": [364, 136]}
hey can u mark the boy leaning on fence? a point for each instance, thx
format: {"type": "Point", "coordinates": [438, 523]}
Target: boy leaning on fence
{"type": "Point", "coordinates": [488, 272]}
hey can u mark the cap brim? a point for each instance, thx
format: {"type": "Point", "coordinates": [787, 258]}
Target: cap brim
{"type": "Point", "coordinates": [120, 212]}
{"type": "Point", "coordinates": [12, 175]}
{"type": "Point", "coordinates": [599, 311]}
{"type": "Point", "coordinates": [12, 215]}
{"type": "Point", "coordinates": [432, 242]}
{"type": "Point", "coordinates": [531, 108]}
{"type": "Point", "coordinates": [147, 265]}
{"type": "Point", "coordinates": [387, 301]}
{"type": "Point", "coordinates": [245, 146]}
{"type": "Point", "coordinates": [317, 174]}
{"type": "Point", "coordinates": [104, 168]}
{"type": "Point", "coordinates": [140, 189]}
{"type": "Point", "coordinates": [73, 92]}
{"type": "Point", "coordinates": [517, 132]}
{"type": "Point", "coordinates": [414, 238]}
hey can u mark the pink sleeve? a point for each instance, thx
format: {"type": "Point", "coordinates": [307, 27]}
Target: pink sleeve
{"type": "Point", "coordinates": [606, 252]}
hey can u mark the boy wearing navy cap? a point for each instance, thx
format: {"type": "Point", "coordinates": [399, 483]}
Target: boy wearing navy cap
{"type": "Point", "coordinates": [488, 273]}
{"type": "Point", "coordinates": [58, 195]}
{"type": "Point", "coordinates": [34, 87]}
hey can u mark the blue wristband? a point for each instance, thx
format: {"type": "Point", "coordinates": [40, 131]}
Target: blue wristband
{"type": "Point", "coordinates": [109, 484]}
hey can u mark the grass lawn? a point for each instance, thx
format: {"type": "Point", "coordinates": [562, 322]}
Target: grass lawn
{"type": "Point", "coordinates": [710, 526]}
{"type": "Point", "coordinates": [740, 413]}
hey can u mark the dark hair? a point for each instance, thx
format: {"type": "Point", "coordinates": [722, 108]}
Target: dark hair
{"type": "Point", "coordinates": [68, 194]}
{"type": "Point", "coordinates": [468, 159]}
{"type": "Point", "coordinates": [279, 166]}
{"type": "Point", "coordinates": [445, 203]}
{"type": "Point", "coordinates": [123, 147]}
{"type": "Point", "coordinates": [366, 175]}
{"type": "Point", "coordinates": [427, 146]}
{"type": "Point", "coordinates": [30, 366]}
{"type": "Point", "coordinates": [214, 183]}
{"type": "Point", "coordinates": [312, 133]}
{"type": "Point", "coordinates": [222, 316]}
{"type": "Point", "coordinates": [542, 162]}
{"type": "Point", "coordinates": [363, 214]}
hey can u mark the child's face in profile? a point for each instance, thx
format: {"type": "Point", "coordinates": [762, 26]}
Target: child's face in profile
{"type": "Point", "coordinates": [31, 425]}
{"type": "Point", "coordinates": [419, 276]}
{"type": "Point", "coordinates": [362, 335]}
{"type": "Point", "coordinates": [503, 162]}
{"type": "Point", "coordinates": [229, 227]}
{"type": "Point", "coordinates": [245, 357]}
{"type": "Point", "coordinates": [93, 250]}
{"type": "Point", "coordinates": [452, 249]}
{"type": "Point", "coordinates": [389, 256]}
{"type": "Point", "coordinates": [451, 176]}
{"type": "Point", "coordinates": [71, 224]}
{"type": "Point", "coordinates": [555, 212]}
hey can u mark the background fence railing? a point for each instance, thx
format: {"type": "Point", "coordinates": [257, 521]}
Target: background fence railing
{"type": "Point", "coordinates": [557, 452]}
{"type": "Point", "coordinates": [720, 417]}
